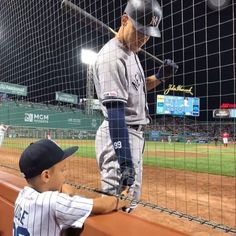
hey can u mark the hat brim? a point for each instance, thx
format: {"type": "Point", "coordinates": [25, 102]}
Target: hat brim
{"type": "Point", "coordinates": [147, 30]}
{"type": "Point", "coordinates": [69, 151]}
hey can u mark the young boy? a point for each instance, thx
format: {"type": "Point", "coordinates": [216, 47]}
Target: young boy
{"type": "Point", "coordinates": [41, 208]}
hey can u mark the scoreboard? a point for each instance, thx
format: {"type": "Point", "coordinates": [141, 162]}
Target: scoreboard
{"type": "Point", "coordinates": [177, 105]}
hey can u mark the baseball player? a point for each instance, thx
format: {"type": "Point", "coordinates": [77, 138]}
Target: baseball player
{"type": "Point", "coordinates": [3, 129]}
{"type": "Point", "coordinates": [216, 140]}
{"type": "Point", "coordinates": [49, 135]}
{"type": "Point", "coordinates": [121, 88]}
{"type": "Point", "coordinates": [225, 139]}
{"type": "Point", "coordinates": [41, 208]}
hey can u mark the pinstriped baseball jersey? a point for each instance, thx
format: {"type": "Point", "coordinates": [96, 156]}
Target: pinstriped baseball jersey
{"type": "Point", "coordinates": [47, 213]}
{"type": "Point", "coordinates": [3, 130]}
{"type": "Point", "coordinates": [118, 76]}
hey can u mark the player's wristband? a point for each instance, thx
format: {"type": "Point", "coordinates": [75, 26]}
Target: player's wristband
{"type": "Point", "coordinates": [159, 77]}
{"type": "Point", "coordinates": [117, 203]}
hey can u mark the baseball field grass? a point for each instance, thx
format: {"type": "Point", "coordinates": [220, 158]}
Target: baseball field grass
{"type": "Point", "coordinates": [202, 158]}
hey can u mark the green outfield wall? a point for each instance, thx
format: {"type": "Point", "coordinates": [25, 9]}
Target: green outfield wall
{"type": "Point", "coordinates": [52, 117]}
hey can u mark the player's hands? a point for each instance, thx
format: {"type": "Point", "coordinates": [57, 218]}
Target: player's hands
{"type": "Point", "coordinates": [125, 192]}
{"type": "Point", "coordinates": [127, 176]}
{"type": "Point", "coordinates": [167, 70]}
{"type": "Point", "coordinates": [123, 202]}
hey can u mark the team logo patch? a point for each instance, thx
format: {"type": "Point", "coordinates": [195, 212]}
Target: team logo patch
{"type": "Point", "coordinates": [154, 21]}
{"type": "Point", "coordinates": [110, 94]}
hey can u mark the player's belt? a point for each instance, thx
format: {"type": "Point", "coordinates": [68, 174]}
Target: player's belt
{"type": "Point", "coordinates": [136, 127]}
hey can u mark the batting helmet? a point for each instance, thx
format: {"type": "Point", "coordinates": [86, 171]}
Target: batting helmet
{"type": "Point", "coordinates": [145, 15]}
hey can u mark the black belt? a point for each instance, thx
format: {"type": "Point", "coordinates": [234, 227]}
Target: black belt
{"type": "Point", "coordinates": [135, 127]}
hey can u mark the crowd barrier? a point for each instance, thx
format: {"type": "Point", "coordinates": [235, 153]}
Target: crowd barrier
{"type": "Point", "coordinates": [113, 224]}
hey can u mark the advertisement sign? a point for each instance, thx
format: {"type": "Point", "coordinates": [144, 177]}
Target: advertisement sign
{"type": "Point", "coordinates": [36, 118]}
{"type": "Point", "coordinates": [221, 113]}
{"type": "Point", "coordinates": [13, 89]}
{"type": "Point", "coordinates": [228, 105]}
{"type": "Point", "coordinates": [66, 97]}
{"type": "Point", "coordinates": [178, 88]}
{"type": "Point", "coordinates": [233, 113]}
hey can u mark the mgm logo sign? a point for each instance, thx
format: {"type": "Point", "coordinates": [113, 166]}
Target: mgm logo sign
{"type": "Point", "coordinates": [36, 118]}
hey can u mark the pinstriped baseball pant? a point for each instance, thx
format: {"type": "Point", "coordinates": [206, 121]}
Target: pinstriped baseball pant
{"type": "Point", "coordinates": [1, 138]}
{"type": "Point", "coordinates": [108, 163]}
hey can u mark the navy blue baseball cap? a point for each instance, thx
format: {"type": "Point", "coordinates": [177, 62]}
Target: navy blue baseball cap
{"type": "Point", "coordinates": [42, 155]}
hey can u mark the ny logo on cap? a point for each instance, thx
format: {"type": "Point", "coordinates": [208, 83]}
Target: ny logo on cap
{"type": "Point", "coordinates": [154, 21]}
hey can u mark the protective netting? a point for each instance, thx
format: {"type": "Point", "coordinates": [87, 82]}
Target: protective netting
{"type": "Point", "coordinates": [47, 91]}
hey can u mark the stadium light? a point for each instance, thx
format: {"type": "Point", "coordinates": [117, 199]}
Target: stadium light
{"type": "Point", "coordinates": [88, 57]}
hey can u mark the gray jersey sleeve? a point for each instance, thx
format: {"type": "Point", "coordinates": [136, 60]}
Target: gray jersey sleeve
{"type": "Point", "coordinates": [111, 75]}
{"type": "Point", "coordinates": [113, 81]}
{"type": "Point", "coordinates": [118, 76]}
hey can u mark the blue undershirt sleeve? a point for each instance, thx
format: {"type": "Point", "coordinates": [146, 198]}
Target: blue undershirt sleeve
{"type": "Point", "coordinates": [119, 134]}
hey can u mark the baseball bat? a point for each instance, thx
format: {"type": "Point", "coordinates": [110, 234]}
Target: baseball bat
{"type": "Point", "coordinates": [99, 25]}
